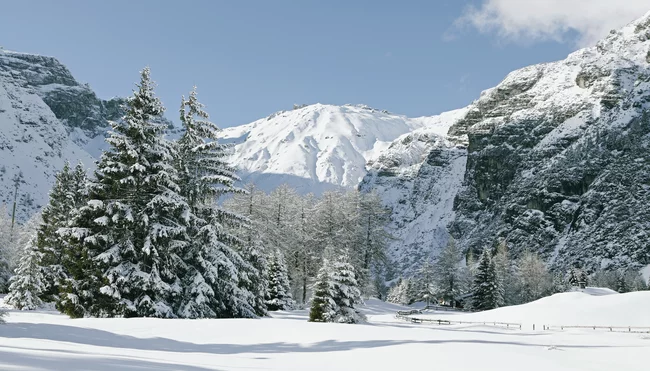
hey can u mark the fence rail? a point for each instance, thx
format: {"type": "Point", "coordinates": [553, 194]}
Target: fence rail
{"type": "Point", "coordinates": [407, 317]}
{"type": "Point", "coordinates": [634, 329]}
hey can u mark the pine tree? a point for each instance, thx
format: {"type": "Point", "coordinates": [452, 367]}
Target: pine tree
{"type": "Point", "coordinates": [27, 284]}
{"type": "Point", "coordinates": [485, 293]}
{"type": "Point", "coordinates": [129, 235]}
{"type": "Point", "coordinates": [279, 291]}
{"type": "Point", "coordinates": [323, 306]}
{"type": "Point", "coordinates": [217, 281]}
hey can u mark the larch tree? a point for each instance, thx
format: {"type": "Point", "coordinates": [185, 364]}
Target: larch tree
{"type": "Point", "coordinates": [535, 280]}
{"type": "Point", "coordinates": [450, 275]}
{"type": "Point", "coordinates": [374, 239]}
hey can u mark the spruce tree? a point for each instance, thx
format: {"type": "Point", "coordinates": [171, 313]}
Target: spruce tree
{"type": "Point", "coordinates": [347, 295]}
{"type": "Point", "coordinates": [217, 281]}
{"type": "Point", "coordinates": [129, 235]}
{"type": "Point", "coordinates": [323, 306]}
{"type": "Point", "coordinates": [67, 195]}
{"type": "Point", "coordinates": [486, 290]}
{"type": "Point", "coordinates": [27, 285]}
{"type": "Point", "coordinates": [279, 290]}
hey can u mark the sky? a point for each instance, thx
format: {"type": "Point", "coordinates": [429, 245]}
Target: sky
{"type": "Point", "coordinates": [250, 58]}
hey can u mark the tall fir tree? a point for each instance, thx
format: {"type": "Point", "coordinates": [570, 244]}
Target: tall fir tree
{"type": "Point", "coordinates": [133, 228]}
{"type": "Point", "coordinates": [27, 285]}
{"type": "Point", "coordinates": [217, 281]}
{"type": "Point", "coordinates": [279, 290]}
{"type": "Point", "coordinates": [68, 195]}
{"type": "Point", "coordinates": [486, 288]}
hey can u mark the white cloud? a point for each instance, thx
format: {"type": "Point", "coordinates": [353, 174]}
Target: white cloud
{"type": "Point", "coordinates": [538, 20]}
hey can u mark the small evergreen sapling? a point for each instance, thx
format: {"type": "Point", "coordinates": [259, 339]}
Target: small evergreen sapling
{"type": "Point", "coordinates": [279, 291]}
{"type": "Point", "coordinates": [323, 306]}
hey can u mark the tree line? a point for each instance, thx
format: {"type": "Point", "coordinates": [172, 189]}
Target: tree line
{"type": "Point", "coordinates": [160, 229]}
{"type": "Point", "coordinates": [496, 280]}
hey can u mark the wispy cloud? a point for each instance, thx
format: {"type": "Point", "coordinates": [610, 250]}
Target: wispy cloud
{"type": "Point", "coordinates": [528, 21]}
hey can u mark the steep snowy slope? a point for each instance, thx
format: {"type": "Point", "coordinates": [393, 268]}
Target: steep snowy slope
{"type": "Point", "coordinates": [46, 118]}
{"type": "Point", "coordinates": [317, 147]}
{"type": "Point", "coordinates": [557, 161]}
{"type": "Point", "coordinates": [418, 176]}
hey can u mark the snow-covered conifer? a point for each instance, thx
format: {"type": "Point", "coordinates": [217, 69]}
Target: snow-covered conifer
{"type": "Point", "coordinates": [400, 292]}
{"type": "Point", "coordinates": [486, 290]}
{"type": "Point", "coordinates": [27, 284]}
{"type": "Point", "coordinates": [217, 281]}
{"type": "Point", "coordinates": [346, 291]}
{"type": "Point", "coordinates": [278, 296]}
{"type": "Point", "coordinates": [130, 234]}
{"type": "Point", "coordinates": [7, 241]}
{"type": "Point", "coordinates": [67, 195]}
{"type": "Point", "coordinates": [323, 306]}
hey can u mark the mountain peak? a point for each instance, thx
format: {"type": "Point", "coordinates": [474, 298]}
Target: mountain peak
{"type": "Point", "coordinates": [315, 147]}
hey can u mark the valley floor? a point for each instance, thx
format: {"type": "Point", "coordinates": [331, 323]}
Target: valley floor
{"type": "Point", "coordinates": [49, 341]}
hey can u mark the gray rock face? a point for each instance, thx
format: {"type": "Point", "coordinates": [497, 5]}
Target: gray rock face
{"type": "Point", "coordinates": [558, 161]}
{"type": "Point", "coordinates": [46, 118]}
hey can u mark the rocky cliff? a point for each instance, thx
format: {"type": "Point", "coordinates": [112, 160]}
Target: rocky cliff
{"type": "Point", "coordinates": [46, 118]}
{"type": "Point", "coordinates": [557, 161]}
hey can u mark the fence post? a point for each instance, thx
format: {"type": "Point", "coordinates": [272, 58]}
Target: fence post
{"type": "Point", "coordinates": [533, 327]}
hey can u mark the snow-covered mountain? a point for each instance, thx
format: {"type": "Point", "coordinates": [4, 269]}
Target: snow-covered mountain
{"type": "Point", "coordinates": [316, 147]}
{"type": "Point", "coordinates": [558, 161]}
{"type": "Point", "coordinates": [46, 118]}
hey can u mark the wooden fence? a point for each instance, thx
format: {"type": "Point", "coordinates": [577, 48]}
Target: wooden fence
{"type": "Point", "coordinates": [633, 329]}
{"type": "Point", "coordinates": [406, 316]}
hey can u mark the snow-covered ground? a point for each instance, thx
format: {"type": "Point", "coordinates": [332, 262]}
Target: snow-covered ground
{"type": "Point", "coordinates": [48, 341]}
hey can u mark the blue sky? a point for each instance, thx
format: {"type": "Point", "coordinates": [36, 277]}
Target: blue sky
{"type": "Point", "coordinates": [252, 58]}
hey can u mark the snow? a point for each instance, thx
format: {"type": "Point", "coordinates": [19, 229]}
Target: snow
{"type": "Point", "coordinates": [48, 341]}
{"type": "Point", "coordinates": [318, 147]}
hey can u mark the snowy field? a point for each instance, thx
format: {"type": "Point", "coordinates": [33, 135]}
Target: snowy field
{"type": "Point", "coordinates": [49, 341]}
